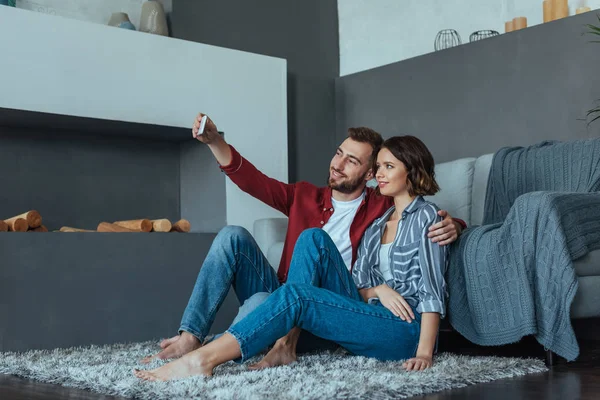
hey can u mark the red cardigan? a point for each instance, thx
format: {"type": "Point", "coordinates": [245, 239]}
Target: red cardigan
{"type": "Point", "coordinates": [306, 205]}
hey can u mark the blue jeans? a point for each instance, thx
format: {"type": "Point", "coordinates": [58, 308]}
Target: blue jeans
{"type": "Point", "coordinates": [334, 311]}
{"type": "Point", "coordinates": [234, 259]}
{"type": "Point", "coordinates": [315, 260]}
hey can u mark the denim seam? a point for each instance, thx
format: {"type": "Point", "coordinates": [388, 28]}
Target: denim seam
{"type": "Point", "coordinates": [314, 273]}
{"type": "Point", "coordinates": [273, 317]}
{"type": "Point", "coordinates": [357, 311]}
{"type": "Point", "coordinates": [336, 270]}
{"type": "Point", "coordinates": [261, 277]}
{"type": "Point", "coordinates": [221, 296]}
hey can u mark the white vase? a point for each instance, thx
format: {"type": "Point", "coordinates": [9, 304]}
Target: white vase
{"type": "Point", "coordinates": [154, 19]}
{"type": "Point", "coordinates": [118, 18]}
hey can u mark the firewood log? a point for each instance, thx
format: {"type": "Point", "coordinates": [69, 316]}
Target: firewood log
{"type": "Point", "coordinates": [138, 225]}
{"type": "Point", "coordinates": [33, 219]}
{"type": "Point", "coordinates": [108, 227]}
{"type": "Point", "coordinates": [183, 225]}
{"type": "Point", "coordinates": [70, 229]}
{"type": "Point", "coordinates": [161, 225]}
{"type": "Point", "coordinates": [41, 228]}
{"type": "Point", "coordinates": [17, 224]}
{"type": "Point", "coordinates": [3, 226]}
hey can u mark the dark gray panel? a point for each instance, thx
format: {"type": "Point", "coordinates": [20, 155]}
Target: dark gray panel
{"type": "Point", "coordinates": [85, 127]}
{"type": "Point", "coordinates": [202, 188]}
{"type": "Point", "coordinates": [305, 33]}
{"type": "Point", "coordinates": [70, 289]}
{"type": "Point", "coordinates": [80, 182]}
{"type": "Point", "coordinates": [514, 89]}
{"type": "Point", "coordinates": [311, 142]}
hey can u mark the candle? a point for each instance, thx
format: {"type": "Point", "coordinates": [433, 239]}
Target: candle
{"type": "Point", "coordinates": [547, 10]}
{"type": "Point", "coordinates": [519, 23]}
{"type": "Point", "coordinates": [509, 26]}
{"type": "Point", "coordinates": [582, 10]}
{"type": "Point", "coordinates": [560, 9]}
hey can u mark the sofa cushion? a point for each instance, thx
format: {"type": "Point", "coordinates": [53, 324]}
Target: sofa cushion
{"type": "Point", "coordinates": [455, 179]}
{"type": "Point", "coordinates": [586, 303]}
{"type": "Point", "coordinates": [588, 265]}
{"type": "Point", "coordinates": [480, 180]}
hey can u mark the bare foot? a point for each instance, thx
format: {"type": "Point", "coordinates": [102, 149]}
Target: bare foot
{"type": "Point", "coordinates": [167, 342]}
{"type": "Point", "coordinates": [175, 347]}
{"type": "Point", "coordinates": [189, 365]}
{"type": "Point", "coordinates": [280, 354]}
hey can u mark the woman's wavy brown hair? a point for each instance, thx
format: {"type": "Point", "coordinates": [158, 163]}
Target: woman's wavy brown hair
{"type": "Point", "coordinates": [418, 162]}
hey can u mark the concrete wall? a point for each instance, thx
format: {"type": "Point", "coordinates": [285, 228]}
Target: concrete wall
{"type": "Point", "coordinates": [305, 33]}
{"type": "Point", "coordinates": [376, 33]}
{"type": "Point", "coordinates": [514, 89]}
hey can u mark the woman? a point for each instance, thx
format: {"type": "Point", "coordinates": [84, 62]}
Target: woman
{"type": "Point", "coordinates": [391, 305]}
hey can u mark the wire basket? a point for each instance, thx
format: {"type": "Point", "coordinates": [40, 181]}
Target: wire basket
{"type": "Point", "coordinates": [446, 38]}
{"type": "Point", "coordinates": [480, 35]}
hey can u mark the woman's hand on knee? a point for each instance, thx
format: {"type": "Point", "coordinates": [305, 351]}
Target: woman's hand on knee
{"type": "Point", "coordinates": [418, 363]}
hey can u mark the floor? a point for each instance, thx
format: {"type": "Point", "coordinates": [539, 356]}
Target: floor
{"type": "Point", "coordinates": [565, 381]}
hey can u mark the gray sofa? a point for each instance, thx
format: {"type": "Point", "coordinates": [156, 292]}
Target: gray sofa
{"type": "Point", "coordinates": [463, 185]}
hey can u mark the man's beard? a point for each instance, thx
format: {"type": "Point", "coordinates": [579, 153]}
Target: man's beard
{"type": "Point", "coordinates": [347, 186]}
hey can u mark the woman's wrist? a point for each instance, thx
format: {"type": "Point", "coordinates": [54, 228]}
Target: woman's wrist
{"type": "Point", "coordinates": [377, 290]}
{"type": "Point", "coordinates": [425, 354]}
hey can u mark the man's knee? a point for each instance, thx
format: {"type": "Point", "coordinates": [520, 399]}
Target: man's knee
{"type": "Point", "coordinates": [233, 232]}
{"type": "Point", "coordinates": [314, 235]}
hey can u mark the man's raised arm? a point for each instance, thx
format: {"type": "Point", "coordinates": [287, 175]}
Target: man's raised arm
{"type": "Point", "coordinates": [244, 174]}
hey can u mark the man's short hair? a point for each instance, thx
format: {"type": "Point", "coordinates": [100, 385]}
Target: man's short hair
{"type": "Point", "coordinates": [367, 135]}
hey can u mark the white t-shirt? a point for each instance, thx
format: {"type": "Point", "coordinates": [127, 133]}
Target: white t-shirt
{"type": "Point", "coordinates": [338, 226]}
{"type": "Point", "coordinates": [384, 261]}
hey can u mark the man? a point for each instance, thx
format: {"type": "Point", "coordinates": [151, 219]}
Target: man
{"type": "Point", "coordinates": [344, 209]}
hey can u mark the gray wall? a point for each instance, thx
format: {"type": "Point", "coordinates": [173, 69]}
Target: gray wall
{"type": "Point", "coordinates": [303, 32]}
{"type": "Point", "coordinates": [96, 288]}
{"type": "Point", "coordinates": [513, 89]}
{"type": "Point", "coordinates": [81, 180]}
{"type": "Point", "coordinates": [202, 191]}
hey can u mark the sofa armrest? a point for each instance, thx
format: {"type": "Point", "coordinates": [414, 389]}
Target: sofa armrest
{"type": "Point", "coordinates": [269, 231]}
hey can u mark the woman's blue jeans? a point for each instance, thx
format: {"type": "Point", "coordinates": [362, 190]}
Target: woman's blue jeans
{"type": "Point", "coordinates": [321, 298]}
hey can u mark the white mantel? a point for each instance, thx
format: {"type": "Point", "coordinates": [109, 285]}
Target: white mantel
{"type": "Point", "coordinates": [64, 66]}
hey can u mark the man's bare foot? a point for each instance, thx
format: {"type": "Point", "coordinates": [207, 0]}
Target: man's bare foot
{"type": "Point", "coordinates": [189, 365]}
{"type": "Point", "coordinates": [175, 347]}
{"type": "Point", "coordinates": [167, 342]}
{"type": "Point", "coordinates": [279, 355]}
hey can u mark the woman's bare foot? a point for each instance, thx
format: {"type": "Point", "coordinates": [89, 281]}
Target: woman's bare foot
{"type": "Point", "coordinates": [175, 347]}
{"type": "Point", "coordinates": [189, 365]}
{"type": "Point", "coordinates": [280, 354]}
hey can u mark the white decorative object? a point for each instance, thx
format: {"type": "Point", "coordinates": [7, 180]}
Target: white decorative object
{"type": "Point", "coordinates": [117, 19]}
{"type": "Point", "coordinates": [98, 11]}
{"type": "Point", "coordinates": [153, 19]}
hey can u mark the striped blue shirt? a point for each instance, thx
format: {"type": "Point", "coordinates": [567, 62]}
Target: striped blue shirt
{"type": "Point", "coordinates": [418, 265]}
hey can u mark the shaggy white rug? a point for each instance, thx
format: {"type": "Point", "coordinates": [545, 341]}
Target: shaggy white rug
{"type": "Point", "coordinates": [108, 370]}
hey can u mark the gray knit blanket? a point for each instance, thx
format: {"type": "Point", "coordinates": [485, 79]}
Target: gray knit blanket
{"type": "Point", "coordinates": [513, 276]}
